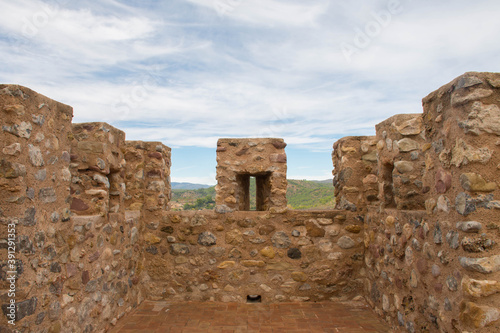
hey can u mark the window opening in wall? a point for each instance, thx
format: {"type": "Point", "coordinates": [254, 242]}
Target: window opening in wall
{"type": "Point", "coordinates": [254, 299]}
{"type": "Point", "coordinates": [387, 170]}
{"type": "Point", "coordinates": [254, 191]}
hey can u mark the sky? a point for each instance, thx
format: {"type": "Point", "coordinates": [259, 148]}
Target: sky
{"type": "Point", "coordinates": [187, 72]}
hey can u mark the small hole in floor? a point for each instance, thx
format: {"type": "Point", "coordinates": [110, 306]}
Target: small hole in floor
{"type": "Point", "coordinates": [254, 299]}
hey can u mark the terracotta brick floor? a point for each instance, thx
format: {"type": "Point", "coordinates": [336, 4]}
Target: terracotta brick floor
{"type": "Point", "coordinates": [155, 317]}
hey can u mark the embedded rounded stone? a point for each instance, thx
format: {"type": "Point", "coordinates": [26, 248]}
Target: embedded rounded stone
{"type": "Point", "coordinates": [35, 156]}
{"type": "Point", "coordinates": [47, 195]}
{"type": "Point", "coordinates": [206, 238]}
{"type": "Point", "coordinates": [167, 229]}
{"type": "Point", "coordinates": [484, 265]}
{"type": "Point", "coordinates": [443, 181]}
{"type": "Point", "coordinates": [483, 118]}
{"type": "Point", "coordinates": [279, 144]}
{"type": "Point", "coordinates": [438, 235]}
{"type": "Point", "coordinates": [246, 223]}
{"type": "Point", "coordinates": [299, 276]}
{"type": "Point", "coordinates": [469, 226]}
{"type": "Point", "coordinates": [407, 145]}
{"type": "Point", "coordinates": [430, 204]}
{"type": "Point", "coordinates": [385, 303]}
{"type": "Point", "coordinates": [295, 233]}
{"type": "Point", "coordinates": [253, 263]}
{"type": "Point", "coordinates": [443, 204]}
{"type": "Point", "coordinates": [354, 228]}
{"type": "Point", "coordinates": [467, 81]}
{"type": "Point", "coordinates": [152, 249]}
{"type": "Point", "coordinates": [234, 253]}
{"type": "Point", "coordinates": [404, 166]}
{"type": "Point", "coordinates": [474, 182]}
{"type": "Point", "coordinates": [476, 244]}
{"type": "Point", "coordinates": [278, 266]}
{"type": "Point", "coordinates": [234, 237]}
{"type": "Point", "coordinates": [478, 316]}
{"type": "Point", "coordinates": [294, 253]}
{"type": "Point", "coordinates": [179, 248]}
{"type": "Point", "coordinates": [101, 180]}
{"type": "Point", "coordinates": [266, 229]}
{"type": "Point", "coordinates": [217, 251]}
{"type": "Point", "coordinates": [452, 283]}
{"type": "Point", "coordinates": [413, 279]}
{"type": "Point", "coordinates": [346, 242]}
{"type": "Point", "coordinates": [323, 221]}
{"type": "Point", "coordinates": [411, 127]}
{"type": "Point", "coordinates": [278, 158]}
{"type": "Point", "coordinates": [134, 233]}
{"type": "Point", "coordinates": [268, 252]}
{"type": "Point", "coordinates": [226, 264]}
{"type": "Point", "coordinates": [12, 149]}
{"type": "Point", "coordinates": [281, 240]}
{"type": "Point", "coordinates": [464, 204]}
{"type": "Point", "coordinates": [389, 221]}
{"type": "Point", "coordinates": [78, 205]}
{"type": "Point", "coordinates": [409, 256]}
{"type": "Point", "coordinates": [480, 288]}
{"type": "Point", "coordinates": [452, 239]}
{"type": "Point", "coordinates": [151, 239]}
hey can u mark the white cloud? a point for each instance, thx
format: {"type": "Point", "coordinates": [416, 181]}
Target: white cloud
{"type": "Point", "coordinates": [269, 13]}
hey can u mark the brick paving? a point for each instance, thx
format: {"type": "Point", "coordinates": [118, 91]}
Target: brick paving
{"type": "Point", "coordinates": [194, 317]}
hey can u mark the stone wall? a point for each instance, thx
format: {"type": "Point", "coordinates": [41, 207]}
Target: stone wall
{"type": "Point", "coordinates": [240, 159]}
{"type": "Point", "coordinates": [78, 228]}
{"type": "Point", "coordinates": [355, 181]}
{"type": "Point", "coordinates": [431, 257]}
{"type": "Point", "coordinates": [295, 256]}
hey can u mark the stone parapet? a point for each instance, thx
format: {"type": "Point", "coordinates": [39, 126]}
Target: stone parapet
{"type": "Point", "coordinates": [355, 174]}
{"type": "Point", "coordinates": [293, 256]}
{"type": "Point", "coordinates": [240, 159]}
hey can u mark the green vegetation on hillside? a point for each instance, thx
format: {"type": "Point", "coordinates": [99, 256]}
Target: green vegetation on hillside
{"type": "Point", "coordinates": [301, 194]}
{"type": "Point", "coordinates": [304, 194]}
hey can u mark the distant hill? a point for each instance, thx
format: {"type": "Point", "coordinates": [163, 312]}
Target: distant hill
{"type": "Point", "coordinates": [326, 181]}
{"type": "Point", "coordinates": [301, 194]}
{"type": "Point", "coordinates": [306, 194]}
{"type": "Point", "coordinates": [187, 186]}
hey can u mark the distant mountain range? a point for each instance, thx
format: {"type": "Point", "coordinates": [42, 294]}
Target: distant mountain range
{"type": "Point", "coordinates": [187, 186]}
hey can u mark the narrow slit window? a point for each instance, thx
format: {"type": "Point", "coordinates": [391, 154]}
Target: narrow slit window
{"type": "Point", "coordinates": [254, 191]}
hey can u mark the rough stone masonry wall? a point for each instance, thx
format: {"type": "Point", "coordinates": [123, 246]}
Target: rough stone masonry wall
{"type": "Point", "coordinates": [294, 256]}
{"type": "Point", "coordinates": [237, 159]}
{"type": "Point", "coordinates": [78, 227]}
{"type": "Point", "coordinates": [432, 256]}
{"type": "Point", "coordinates": [355, 173]}
{"type": "Point", "coordinates": [34, 202]}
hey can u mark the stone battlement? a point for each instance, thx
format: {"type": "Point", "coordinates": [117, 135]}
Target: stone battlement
{"type": "Point", "coordinates": [414, 231]}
